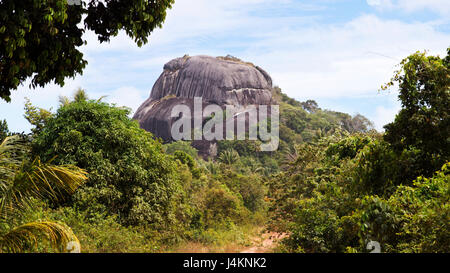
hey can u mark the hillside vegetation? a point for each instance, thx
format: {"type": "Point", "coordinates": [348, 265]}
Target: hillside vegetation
{"type": "Point", "coordinates": [334, 184]}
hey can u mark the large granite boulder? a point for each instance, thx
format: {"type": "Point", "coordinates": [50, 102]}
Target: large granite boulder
{"type": "Point", "coordinates": [217, 80]}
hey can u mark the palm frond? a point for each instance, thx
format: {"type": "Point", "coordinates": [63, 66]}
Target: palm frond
{"type": "Point", "coordinates": [39, 180]}
{"type": "Point", "coordinates": [229, 156]}
{"type": "Point", "coordinates": [291, 155]}
{"type": "Point", "coordinates": [80, 95]}
{"type": "Point", "coordinates": [63, 100]}
{"type": "Point", "coordinates": [12, 152]}
{"type": "Point", "coordinates": [211, 167]}
{"type": "Point", "coordinates": [101, 98]}
{"type": "Point", "coordinates": [26, 236]}
{"type": "Point", "coordinates": [13, 146]}
{"type": "Point", "coordinates": [21, 181]}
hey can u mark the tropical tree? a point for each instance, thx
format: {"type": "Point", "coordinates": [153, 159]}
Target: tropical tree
{"type": "Point", "coordinates": [23, 182]}
{"type": "Point", "coordinates": [4, 131]}
{"type": "Point", "coordinates": [422, 127]}
{"type": "Point", "coordinates": [229, 157]}
{"type": "Point", "coordinates": [36, 116]}
{"type": "Point", "coordinates": [129, 174]}
{"type": "Point", "coordinates": [310, 106]}
{"type": "Point", "coordinates": [41, 40]}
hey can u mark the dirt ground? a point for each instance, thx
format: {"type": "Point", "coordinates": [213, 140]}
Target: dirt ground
{"type": "Point", "coordinates": [264, 243]}
{"type": "Point", "coordinates": [259, 242]}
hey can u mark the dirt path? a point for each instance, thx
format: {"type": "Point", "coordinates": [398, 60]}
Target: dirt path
{"type": "Point", "coordinates": [264, 243]}
{"type": "Point", "coordinates": [258, 242]}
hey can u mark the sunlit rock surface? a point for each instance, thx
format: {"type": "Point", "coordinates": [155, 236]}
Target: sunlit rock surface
{"type": "Point", "coordinates": [217, 80]}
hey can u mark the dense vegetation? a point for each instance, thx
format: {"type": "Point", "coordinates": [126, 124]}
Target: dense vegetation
{"type": "Point", "coordinates": [129, 175]}
{"type": "Point", "coordinates": [41, 40]}
{"type": "Point", "coordinates": [22, 183]}
{"type": "Point", "coordinates": [334, 185]}
{"type": "Point", "coordinates": [343, 191]}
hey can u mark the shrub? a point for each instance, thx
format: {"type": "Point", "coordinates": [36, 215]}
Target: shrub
{"type": "Point", "coordinates": [182, 146]}
{"type": "Point", "coordinates": [129, 175]}
{"type": "Point", "coordinates": [414, 218]}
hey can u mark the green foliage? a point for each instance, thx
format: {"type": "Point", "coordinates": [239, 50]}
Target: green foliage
{"type": "Point", "coordinates": [229, 157]}
{"type": "Point", "coordinates": [334, 185]}
{"type": "Point", "coordinates": [129, 174]}
{"type": "Point", "coordinates": [245, 157]}
{"type": "Point", "coordinates": [227, 239]}
{"type": "Point", "coordinates": [294, 118]}
{"type": "Point", "coordinates": [281, 97]}
{"type": "Point", "coordinates": [428, 204]}
{"type": "Point", "coordinates": [80, 96]}
{"type": "Point", "coordinates": [249, 188]}
{"type": "Point", "coordinates": [317, 205]}
{"type": "Point", "coordinates": [97, 233]}
{"type": "Point", "coordinates": [41, 39]}
{"type": "Point", "coordinates": [242, 147]}
{"type": "Point", "coordinates": [182, 146]}
{"type": "Point", "coordinates": [414, 219]}
{"type": "Point", "coordinates": [221, 206]}
{"type": "Point", "coordinates": [320, 229]}
{"type": "Point", "coordinates": [211, 167]}
{"type": "Point", "coordinates": [341, 193]}
{"type": "Point", "coordinates": [21, 183]}
{"type": "Point", "coordinates": [310, 171]}
{"type": "Point", "coordinates": [36, 116]}
{"type": "Point", "coordinates": [358, 123]}
{"type": "Point", "coordinates": [348, 147]}
{"type": "Point", "coordinates": [22, 180]}
{"type": "Point", "coordinates": [253, 192]}
{"type": "Point", "coordinates": [310, 106]}
{"type": "Point", "coordinates": [423, 124]}
{"type": "Point", "coordinates": [184, 158]}
{"type": "Point", "coordinates": [4, 131]}
{"type": "Point", "coordinates": [179, 195]}
{"type": "Point", "coordinates": [103, 233]}
{"type": "Point", "coordinates": [379, 169]}
{"type": "Point", "coordinates": [300, 122]}
{"type": "Point", "coordinates": [307, 122]}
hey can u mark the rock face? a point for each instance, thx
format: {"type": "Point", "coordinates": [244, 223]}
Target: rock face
{"type": "Point", "coordinates": [221, 81]}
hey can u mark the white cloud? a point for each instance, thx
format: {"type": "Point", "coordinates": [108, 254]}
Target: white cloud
{"type": "Point", "coordinates": [306, 57]}
{"type": "Point", "coordinates": [438, 6]}
{"type": "Point", "coordinates": [380, 3]}
{"type": "Point", "coordinates": [385, 115]}
{"type": "Point", "coordinates": [46, 98]}
{"type": "Point", "coordinates": [126, 96]}
{"type": "Point", "coordinates": [353, 59]}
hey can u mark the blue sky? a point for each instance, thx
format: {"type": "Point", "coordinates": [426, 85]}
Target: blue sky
{"type": "Point", "coordinates": [337, 52]}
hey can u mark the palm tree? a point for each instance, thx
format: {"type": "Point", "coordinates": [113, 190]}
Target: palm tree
{"type": "Point", "coordinates": [229, 157]}
{"type": "Point", "coordinates": [80, 95]}
{"type": "Point", "coordinates": [211, 167]}
{"type": "Point", "coordinates": [21, 183]}
{"type": "Point", "coordinates": [63, 100]}
{"type": "Point", "coordinates": [291, 156]}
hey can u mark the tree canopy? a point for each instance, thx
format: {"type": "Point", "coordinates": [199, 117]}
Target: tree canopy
{"type": "Point", "coordinates": [344, 190]}
{"type": "Point", "coordinates": [128, 172]}
{"type": "Point", "coordinates": [41, 39]}
{"type": "Point", "coordinates": [423, 124]}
